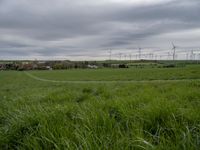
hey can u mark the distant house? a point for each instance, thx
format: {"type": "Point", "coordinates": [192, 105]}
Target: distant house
{"type": "Point", "coordinates": [49, 68]}
{"type": "Point", "coordinates": [92, 66]}
{"type": "Point", "coordinates": [27, 66]}
{"type": "Point", "coordinates": [41, 65]}
{"type": "Point", "coordinates": [41, 62]}
{"type": "Point", "coordinates": [25, 63]}
{"type": "Point", "coordinates": [115, 65]}
{"type": "Point", "coordinates": [35, 66]}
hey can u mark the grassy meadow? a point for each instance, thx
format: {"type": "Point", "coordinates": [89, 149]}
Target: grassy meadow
{"type": "Point", "coordinates": [113, 115]}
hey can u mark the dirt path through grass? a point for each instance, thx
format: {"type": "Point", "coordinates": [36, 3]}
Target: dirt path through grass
{"type": "Point", "coordinates": [104, 81]}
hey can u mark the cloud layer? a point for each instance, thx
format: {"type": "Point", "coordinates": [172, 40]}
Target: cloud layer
{"type": "Point", "coordinates": [87, 28]}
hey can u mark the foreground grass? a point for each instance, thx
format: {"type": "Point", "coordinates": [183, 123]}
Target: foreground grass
{"type": "Point", "coordinates": [40, 115]}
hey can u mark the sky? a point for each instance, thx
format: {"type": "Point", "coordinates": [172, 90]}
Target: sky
{"type": "Point", "coordinates": [89, 29]}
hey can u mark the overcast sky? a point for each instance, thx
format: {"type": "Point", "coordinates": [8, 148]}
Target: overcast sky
{"type": "Point", "coordinates": [87, 29]}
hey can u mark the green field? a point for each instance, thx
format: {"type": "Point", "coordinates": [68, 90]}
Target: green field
{"type": "Point", "coordinates": [161, 110]}
{"type": "Point", "coordinates": [138, 74]}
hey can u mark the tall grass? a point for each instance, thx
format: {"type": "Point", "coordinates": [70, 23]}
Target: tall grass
{"type": "Point", "coordinates": [40, 115]}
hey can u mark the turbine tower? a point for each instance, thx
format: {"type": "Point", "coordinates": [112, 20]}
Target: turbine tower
{"type": "Point", "coordinates": [120, 56]}
{"type": "Point", "coordinates": [130, 56]}
{"type": "Point", "coordinates": [192, 55]}
{"type": "Point", "coordinates": [168, 56]}
{"type": "Point", "coordinates": [125, 56]}
{"type": "Point", "coordinates": [139, 52]}
{"type": "Point", "coordinates": [110, 54]}
{"type": "Point", "coordinates": [187, 56]}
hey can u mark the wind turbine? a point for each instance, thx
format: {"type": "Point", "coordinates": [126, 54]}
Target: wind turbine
{"type": "Point", "coordinates": [160, 57]}
{"type": "Point", "coordinates": [192, 55]}
{"type": "Point", "coordinates": [187, 56]}
{"type": "Point", "coordinates": [125, 56]}
{"type": "Point", "coordinates": [120, 56]}
{"type": "Point", "coordinates": [150, 56]}
{"type": "Point", "coordinates": [174, 51]}
{"type": "Point", "coordinates": [168, 55]}
{"type": "Point", "coordinates": [110, 54]}
{"type": "Point", "coordinates": [130, 56]}
{"type": "Point", "coordinates": [139, 48]}
{"type": "Point", "coordinates": [155, 57]}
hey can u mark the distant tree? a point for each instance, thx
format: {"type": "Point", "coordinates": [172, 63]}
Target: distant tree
{"type": "Point", "coordinates": [123, 66]}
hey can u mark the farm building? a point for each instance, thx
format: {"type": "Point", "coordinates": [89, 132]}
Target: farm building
{"type": "Point", "coordinates": [92, 66]}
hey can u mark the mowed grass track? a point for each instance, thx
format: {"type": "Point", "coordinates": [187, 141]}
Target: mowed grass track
{"type": "Point", "coordinates": [138, 74]}
{"type": "Point", "coordinates": [45, 115]}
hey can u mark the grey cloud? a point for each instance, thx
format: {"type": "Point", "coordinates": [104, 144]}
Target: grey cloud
{"type": "Point", "coordinates": [175, 10]}
{"type": "Point", "coordinates": [89, 28]}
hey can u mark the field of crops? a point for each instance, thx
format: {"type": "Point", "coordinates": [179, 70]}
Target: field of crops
{"type": "Point", "coordinates": [160, 113]}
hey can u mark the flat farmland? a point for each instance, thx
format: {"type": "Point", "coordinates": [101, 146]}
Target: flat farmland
{"type": "Point", "coordinates": [157, 109]}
